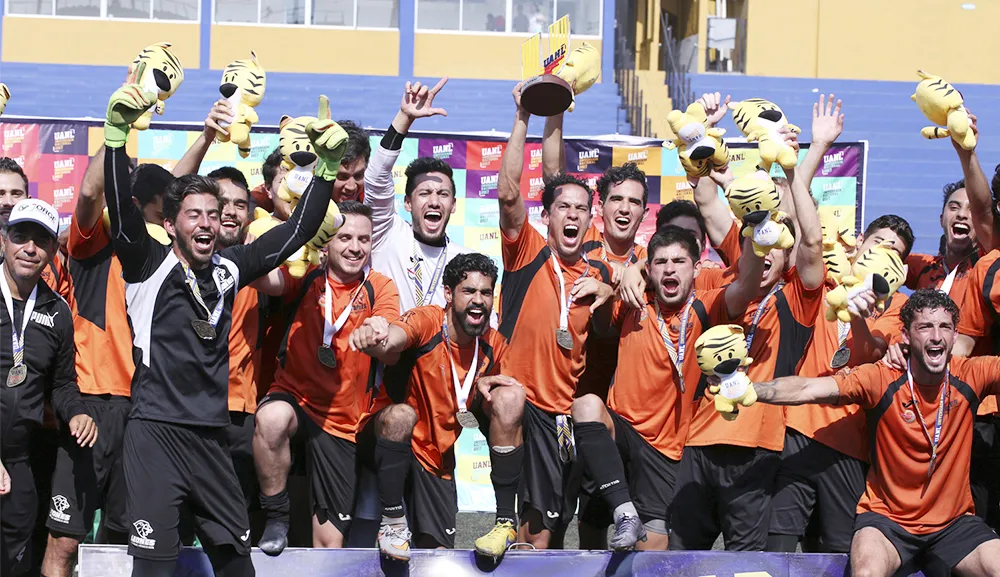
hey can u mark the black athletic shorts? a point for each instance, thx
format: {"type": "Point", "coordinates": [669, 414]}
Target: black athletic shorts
{"type": "Point", "coordinates": [239, 437]}
{"type": "Point", "coordinates": [727, 489]}
{"type": "Point", "coordinates": [947, 546]}
{"type": "Point", "coordinates": [431, 502]}
{"type": "Point", "coordinates": [88, 479]}
{"type": "Point", "coordinates": [167, 465]}
{"type": "Point", "coordinates": [984, 473]}
{"type": "Point", "coordinates": [331, 466]}
{"type": "Point", "coordinates": [546, 482]}
{"type": "Point", "coordinates": [817, 479]}
{"type": "Point", "coordinates": [651, 475]}
{"type": "Point", "coordinates": [20, 509]}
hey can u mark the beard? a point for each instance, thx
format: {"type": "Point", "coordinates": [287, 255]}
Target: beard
{"type": "Point", "coordinates": [469, 328]}
{"type": "Point", "coordinates": [227, 238]}
{"type": "Point", "coordinates": [186, 246]}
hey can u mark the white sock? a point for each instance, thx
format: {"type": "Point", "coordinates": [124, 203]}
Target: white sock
{"type": "Point", "coordinates": [394, 520]}
{"type": "Point", "coordinates": [625, 509]}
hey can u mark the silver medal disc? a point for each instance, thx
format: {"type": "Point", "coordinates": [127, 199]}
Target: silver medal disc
{"type": "Point", "coordinates": [468, 420]}
{"type": "Point", "coordinates": [841, 358]}
{"type": "Point", "coordinates": [326, 357]}
{"type": "Point", "coordinates": [564, 339]}
{"type": "Point", "coordinates": [203, 329]}
{"type": "Point", "coordinates": [17, 375]}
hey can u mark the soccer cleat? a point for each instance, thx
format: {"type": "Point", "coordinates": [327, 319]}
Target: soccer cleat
{"type": "Point", "coordinates": [275, 537]}
{"type": "Point", "coordinates": [628, 531]}
{"type": "Point", "coordinates": [394, 541]}
{"type": "Point", "coordinates": [495, 543]}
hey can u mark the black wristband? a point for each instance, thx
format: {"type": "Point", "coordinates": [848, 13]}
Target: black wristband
{"type": "Point", "coordinates": [393, 140]}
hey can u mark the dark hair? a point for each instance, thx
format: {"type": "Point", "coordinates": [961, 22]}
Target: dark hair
{"type": "Point", "coordinates": [269, 169]}
{"type": "Point", "coordinates": [896, 224]}
{"type": "Point", "coordinates": [232, 174]}
{"type": "Point", "coordinates": [619, 174]}
{"type": "Point", "coordinates": [950, 189]}
{"type": "Point", "coordinates": [11, 166]}
{"type": "Point", "coordinates": [459, 268]}
{"type": "Point", "coordinates": [355, 207]}
{"type": "Point", "coordinates": [927, 298]}
{"type": "Point", "coordinates": [669, 235]}
{"type": "Point", "coordinates": [425, 165]}
{"type": "Point", "coordinates": [676, 208]}
{"type": "Point", "coordinates": [183, 187]}
{"type": "Point", "coordinates": [150, 181]}
{"type": "Point", "coordinates": [995, 187]}
{"type": "Point", "coordinates": [552, 183]}
{"type": "Point", "coordinates": [358, 144]}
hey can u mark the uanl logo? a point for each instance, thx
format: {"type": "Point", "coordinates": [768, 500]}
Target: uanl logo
{"type": "Point", "coordinates": [834, 186]}
{"type": "Point", "coordinates": [588, 157]}
{"type": "Point", "coordinates": [534, 211]}
{"type": "Point", "coordinates": [555, 56]}
{"type": "Point", "coordinates": [833, 160]}
{"type": "Point", "coordinates": [491, 154]}
{"type": "Point", "coordinates": [62, 139]}
{"type": "Point", "coordinates": [13, 135]}
{"type": "Point", "coordinates": [489, 214]}
{"type": "Point", "coordinates": [485, 236]}
{"type": "Point", "coordinates": [534, 158]}
{"type": "Point", "coordinates": [162, 141]}
{"type": "Point", "coordinates": [61, 168]}
{"type": "Point", "coordinates": [638, 156]}
{"type": "Point", "coordinates": [683, 185]}
{"type": "Point", "coordinates": [63, 194]}
{"type": "Point", "coordinates": [443, 151]}
{"type": "Point", "coordinates": [488, 184]}
{"type": "Point", "coordinates": [735, 156]}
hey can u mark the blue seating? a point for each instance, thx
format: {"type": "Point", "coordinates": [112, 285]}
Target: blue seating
{"type": "Point", "coordinates": [905, 171]}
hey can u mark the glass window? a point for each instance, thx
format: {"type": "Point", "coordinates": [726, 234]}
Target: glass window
{"type": "Point", "coordinates": [138, 9]}
{"type": "Point", "coordinates": [186, 10]}
{"type": "Point", "coordinates": [235, 10]}
{"type": "Point", "coordinates": [484, 15]}
{"type": "Point", "coordinates": [438, 14]}
{"type": "Point", "coordinates": [333, 12]}
{"type": "Point", "coordinates": [584, 16]}
{"type": "Point", "coordinates": [378, 13]}
{"type": "Point", "coordinates": [538, 15]}
{"type": "Point", "coordinates": [78, 7]}
{"type": "Point", "coordinates": [282, 11]}
{"type": "Point", "coordinates": [29, 7]}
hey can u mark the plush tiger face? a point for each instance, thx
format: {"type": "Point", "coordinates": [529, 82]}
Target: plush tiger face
{"type": "Point", "coordinates": [247, 76]}
{"type": "Point", "coordinates": [835, 259]}
{"type": "Point", "coordinates": [752, 193]}
{"type": "Point", "coordinates": [163, 68]}
{"type": "Point", "coordinates": [296, 148]}
{"type": "Point", "coordinates": [748, 113]}
{"type": "Point", "coordinates": [721, 350]}
{"type": "Point", "coordinates": [882, 260]}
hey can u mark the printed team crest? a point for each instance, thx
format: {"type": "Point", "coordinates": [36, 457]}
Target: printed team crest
{"type": "Point", "coordinates": [143, 528]}
{"type": "Point", "coordinates": [224, 278]}
{"type": "Point", "coordinates": [908, 416]}
{"type": "Point", "coordinates": [58, 511]}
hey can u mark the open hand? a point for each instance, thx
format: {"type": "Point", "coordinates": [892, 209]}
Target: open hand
{"type": "Point", "coordinates": [715, 106]}
{"type": "Point", "coordinates": [828, 122]}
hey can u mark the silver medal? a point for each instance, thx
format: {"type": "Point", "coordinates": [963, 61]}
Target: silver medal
{"type": "Point", "coordinates": [17, 375]}
{"type": "Point", "coordinates": [203, 329]}
{"type": "Point", "coordinates": [326, 357]}
{"type": "Point", "coordinates": [841, 358]}
{"type": "Point", "coordinates": [564, 339]}
{"type": "Point", "coordinates": [467, 420]}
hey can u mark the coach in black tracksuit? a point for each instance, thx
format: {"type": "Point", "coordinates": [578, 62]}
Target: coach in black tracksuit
{"type": "Point", "coordinates": [179, 300]}
{"type": "Point", "coordinates": [37, 359]}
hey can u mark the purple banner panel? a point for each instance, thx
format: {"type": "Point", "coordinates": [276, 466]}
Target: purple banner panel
{"type": "Point", "coordinates": [63, 138]}
{"type": "Point", "coordinates": [451, 151]}
{"type": "Point", "coordinates": [840, 160]}
{"type": "Point", "coordinates": [587, 156]}
{"type": "Point", "coordinates": [481, 184]}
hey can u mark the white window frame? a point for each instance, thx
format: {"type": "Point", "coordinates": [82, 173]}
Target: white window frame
{"type": "Point", "coordinates": [306, 24]}
{"type": "Point", "coordinates": [104, 14]}
{"type": "Point", "coordinates": [507, 22]}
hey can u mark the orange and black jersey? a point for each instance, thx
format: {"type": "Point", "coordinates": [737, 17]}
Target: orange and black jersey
{"type": "Point", "coordinates": [529, 318]}
{"type": "Point", "coordinates": [980, 317]}
{"type": "Point", "coordinates": [244, 351]}
{"type": "Point", "coordinates": [729, 251]}
{"type": "Point", "coordinates": [422, 379]}
{"type": "Point", "coordinates": [926, 271]}
{"type": "Point", "coordinates": [898, 486]}
{"type": "Point", "coordinates": [59, 278]}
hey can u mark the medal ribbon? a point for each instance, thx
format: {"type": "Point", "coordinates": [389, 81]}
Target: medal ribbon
{"type": "Point", "coordinates": [564, 303]}
{"type": "Point", "coordinates": [843, 330]}
{"type": "Point", "coordinates": [938, 421]}
{"type": "Point", "coordinates": [604, 252]}
{"type": "Point", "coordinates": [192, 282]}
{"type": "Point", "coordinates": [676, 354]}
{"type": "Point", "coordinates": [29, 306]}
{"type": "Point", "coordinates": [425, 296]}
{"type": "Point", "coordinates": [463, 389]}
{"type": "Point", "coordinates": [950, 279]}
{"type": "Point", "coordinates": [331, 329]}
{"type": "Point", "coordinates": [760, 311]}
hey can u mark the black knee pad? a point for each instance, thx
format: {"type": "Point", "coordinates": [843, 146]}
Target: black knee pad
{"type": "Point", "coordinates": [150, 568]}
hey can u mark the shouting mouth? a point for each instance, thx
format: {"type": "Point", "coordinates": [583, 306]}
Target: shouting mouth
{"type": "Point", "coordinates": [935, 353]}
{"type": "Point", "coordinates": [204, 241]}
{"type": "Point", "coordinates": [433, 217]}
{"type": "Point", "coordinates": [230, 224]}
{"type": "Point", "coordinates": [476, 316]}
{"type": "Point", "coordinates": [571, 231]}
{"type": "Point", "coordinates": [623, 222]}
{"type": "Point", "coordinates": [960, 230]}
{"type": "Point", "coordinates": [671, 286]}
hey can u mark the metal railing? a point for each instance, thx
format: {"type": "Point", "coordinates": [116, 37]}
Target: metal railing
{"type": "Point", "coordinates": [632, 103]}
{"type": "Point", "coordinates": [678, 82]}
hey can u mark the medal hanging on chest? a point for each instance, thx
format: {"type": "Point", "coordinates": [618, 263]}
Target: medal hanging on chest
{"type": "Point", "coordinates": [205, 329]}
{"type": "Point", "coordinates": [19, 371]}
{"type": "Point", "coordinates": [843, 354]}
{"type": "Point", "coordinates": [563, 337]}
{"type": "Point", "coordinates": [462, 388]}
{"type": "Point", "coordinates": [325, 353]}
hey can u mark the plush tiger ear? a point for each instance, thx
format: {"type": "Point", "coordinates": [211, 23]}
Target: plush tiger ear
{"type": "Point", "coordinates": [284, 120]}
{"type": "Point", "coordinates": [253, 57]}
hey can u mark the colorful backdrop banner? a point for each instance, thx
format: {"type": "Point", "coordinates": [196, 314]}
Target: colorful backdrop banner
{"type": "Point", "coordinates": [54, 155]}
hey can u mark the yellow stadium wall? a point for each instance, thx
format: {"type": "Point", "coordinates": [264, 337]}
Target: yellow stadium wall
{"type": "Point", "coordinates": [296, 49]}
{"type": "Point", "coordinates": [471, 56]}
{"type": "Point", "coordinates": [93, 41]}
{"type": "Point", "coordinates": [873, 39]}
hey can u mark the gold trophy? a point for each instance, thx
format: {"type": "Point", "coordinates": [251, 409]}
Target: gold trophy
{"type": "Point", "coordinates": [552, 79]}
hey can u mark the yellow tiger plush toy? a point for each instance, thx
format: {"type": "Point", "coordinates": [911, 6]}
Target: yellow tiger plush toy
{"type": "Point", "coordinates": [243, 85]}
{"type": "Point", "coordinates": [580, 71]}
{"type": "Point", "coordinates": [4, 97]}
{"type": "Point", "coordinates": [699, 148]}
{"type": "Point", "coordinates": [943, 105]}
{"type": "Point", "coordinates": [163, 76]}
{"type": "Point", "coordinates": [759, 120]}
{"type": "Point", "coordinates": [754, 200]}
{"type": "Point", "coordinates": [722, 352]}
{"type": "Point", "coordinates": [836, 242]}
{"type": "Point", "coordinates": [880, 269]}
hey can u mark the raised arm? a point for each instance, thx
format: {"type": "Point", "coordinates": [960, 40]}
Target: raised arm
{"type": "Point", "coordinates": [553, 147]}
{"type": "Point", "coordinates": [191, 161]}
{"type": "Point", "coordinates": [980, 197]}
{"type": "Point", "coordinates": [744, 289]}
{"type": "Point", "coordinates": [795, 390]}
{"type": "Point", "coordinates": [512, 211]}
{"type": "Point", "coordinates": [827, 124]}
{"type": "Point", "coordinates": [90, 202]}
{"type": "Point", "coordinates": [718, 218]}
{"type": "Point", "coordinates": [380, 190]}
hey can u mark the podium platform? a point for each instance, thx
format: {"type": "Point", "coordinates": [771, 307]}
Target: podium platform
{"type": "Point", "coordinates": [112, 561]}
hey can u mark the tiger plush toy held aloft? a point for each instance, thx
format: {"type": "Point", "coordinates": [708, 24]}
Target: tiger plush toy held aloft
{"type": "Point", "coordinates": [722, 352]}
{"type": "Point", "coordinates": [700, 149]}
{"type": "Point", "coordinates": [580, 70]}
{"type": "Point", "coordinates": [4, 97]}
{"type": "Point", "coordinates": [754, 200]}
{"type": "Point", "coordinates": [759, 120]}
{"type": "Point", "coordinates": [163, 76]}
{"type": "Point", "coordinates": [943, 105]}
{"type": "Point", "coordinates": [837, 240]}
{"type": "Point", "coordinates": [879, 269]}
{"type": "Point", "coordinates": [243, 85]}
